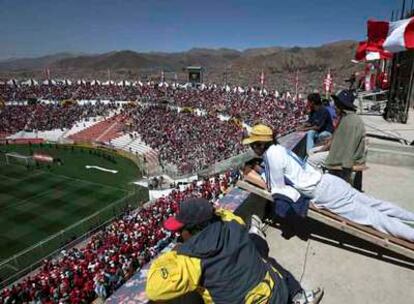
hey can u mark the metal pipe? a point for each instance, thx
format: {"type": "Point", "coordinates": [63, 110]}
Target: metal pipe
{"type": "Point", "coordinates": [403, 10]}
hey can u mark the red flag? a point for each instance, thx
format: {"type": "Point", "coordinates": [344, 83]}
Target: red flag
{"type": "Point", "coordinates": [370, 52]}
{"type": "Point", "coordinates": [393, 37]}
{"type": "Point", "coordinates": [377, 33]}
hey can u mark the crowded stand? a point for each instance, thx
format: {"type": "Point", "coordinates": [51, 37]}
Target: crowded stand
{"type": "Point", "coordinates": [248, 105]}
{"type": "Point", "coordinates": [184, 139]}
{"type": "Point", "coordinates": [43, 117]}
{"type": "Point", "coordinates": [111, 256]}
{"type": "Point", "coordinates": [59, 92]}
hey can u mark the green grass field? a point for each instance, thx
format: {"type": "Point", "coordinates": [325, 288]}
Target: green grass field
{"type": "Point", "coordinates": [39, 202]}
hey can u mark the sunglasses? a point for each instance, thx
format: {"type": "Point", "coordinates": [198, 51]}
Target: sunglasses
{"type": "Point", "coordinates": [256, 144]}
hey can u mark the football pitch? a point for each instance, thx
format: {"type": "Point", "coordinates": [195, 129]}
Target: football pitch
{"type": "Point", "coordinates": [41, 201]}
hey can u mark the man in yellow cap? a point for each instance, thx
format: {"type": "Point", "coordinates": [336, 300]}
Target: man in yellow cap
{"type": "Point", "coordinates": [328, 191]}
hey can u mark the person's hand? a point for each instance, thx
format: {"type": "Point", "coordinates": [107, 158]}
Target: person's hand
{"type": "Point", "coordinates": [176, 246]}
{"type": "Point", "coordinates": [327, 145]}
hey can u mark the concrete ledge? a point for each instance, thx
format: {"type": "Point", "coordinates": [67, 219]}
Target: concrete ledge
{"type": "Point", "coordinates": [392, 155]}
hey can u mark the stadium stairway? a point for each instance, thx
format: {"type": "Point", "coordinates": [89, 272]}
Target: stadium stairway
{"type": "Point", "coordinates": [113, 131]}
{"type": "Point", "coordinates": [82, 125]}
{"type": "Point", "coordinates": [104, 130]}
{"type": "Point", "coordinates": [137, 146]}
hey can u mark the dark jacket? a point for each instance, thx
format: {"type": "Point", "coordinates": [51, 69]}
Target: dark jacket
{"type": "Point", "coordinates": [231, 265]}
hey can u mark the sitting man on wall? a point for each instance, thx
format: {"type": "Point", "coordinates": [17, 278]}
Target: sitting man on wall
{"type": "Point", "coordinates": [221, 260]}
{"type": "Point", "coordinates": [348, 144]}
{"type": "Point", "coordinates": [347, 147]}
{"type": "Point", "coordinates": [319, 126]}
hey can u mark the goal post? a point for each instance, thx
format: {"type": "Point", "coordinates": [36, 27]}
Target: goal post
{"type": "Point", "coordinates": [18, 159]}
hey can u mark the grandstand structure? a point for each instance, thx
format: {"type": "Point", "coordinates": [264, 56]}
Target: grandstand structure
{"type": "Point", "coordinates": [112, 131]}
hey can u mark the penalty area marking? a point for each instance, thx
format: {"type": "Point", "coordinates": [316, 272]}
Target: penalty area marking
{"type": "Point", "coordinates": [101, 169]}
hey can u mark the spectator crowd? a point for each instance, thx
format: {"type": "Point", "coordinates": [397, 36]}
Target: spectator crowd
{"type": "Point", "coordinates": [185, 140]}
{"type": "Point", "coordinates": [110, 257]}
{"type": "Point", "coordinates": [249, 105]}
{"type": "Point", "coordinates": [44, 117]}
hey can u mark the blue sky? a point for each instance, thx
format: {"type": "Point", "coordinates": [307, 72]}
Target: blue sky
{"type": "Point", "coordinates": [39, 27]}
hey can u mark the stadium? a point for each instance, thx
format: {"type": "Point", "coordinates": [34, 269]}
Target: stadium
{"type": "Point", "coordinates": [95, 162]}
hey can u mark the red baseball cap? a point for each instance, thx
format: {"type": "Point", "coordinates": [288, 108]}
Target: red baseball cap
{"type": "Point", "coordinates": [192, 212]}
{"type": "Point", "coordinates": [173, 224]}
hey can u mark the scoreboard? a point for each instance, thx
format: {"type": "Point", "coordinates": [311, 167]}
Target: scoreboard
{"type": "Point", "coordinates": [195, 75]}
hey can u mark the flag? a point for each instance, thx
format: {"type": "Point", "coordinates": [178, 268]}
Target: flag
{"type": "Point", "coordinates": [393, 37]}
{"type": "Point", "coordinates": [327, 82]}
{"type": "Point", "coordinates": [368, 52]}
{"type": "Point", "coordinates": [262, 79]}
{"type": "Point", "coordinates": [382, 80]}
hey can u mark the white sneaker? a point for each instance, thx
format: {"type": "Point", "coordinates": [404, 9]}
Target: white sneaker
{"type": "Point", "coordinates": [309, 297]}
{"type": "Point", "coordinates": [257, 226]}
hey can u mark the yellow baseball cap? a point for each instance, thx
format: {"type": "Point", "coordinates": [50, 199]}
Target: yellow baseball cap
{"type": "Point", "coordinates": [259, 132]}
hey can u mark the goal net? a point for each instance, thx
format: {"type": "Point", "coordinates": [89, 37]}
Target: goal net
{"type": "Point", "coordinates": [18, 159]}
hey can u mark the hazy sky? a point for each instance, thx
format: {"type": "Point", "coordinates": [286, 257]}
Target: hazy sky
{"type": "Point", "coordinates": [39, 27]}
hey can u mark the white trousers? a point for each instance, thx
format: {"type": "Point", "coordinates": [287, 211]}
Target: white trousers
{"type": "Point", "coordinates": [339, 197]}
{"type": "Point", "coordinates": [317, 158]}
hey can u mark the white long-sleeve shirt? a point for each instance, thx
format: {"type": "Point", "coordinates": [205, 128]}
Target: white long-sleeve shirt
{"type": "Point", "coordinates": [281, 163]}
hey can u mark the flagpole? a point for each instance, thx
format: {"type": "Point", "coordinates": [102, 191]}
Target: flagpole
{"type": "Point", "coordinates": [262, 80]}
{"type": "Point", "coordinates": [403, 9]}
{"type": "Point", "coordinates": [296, 84]}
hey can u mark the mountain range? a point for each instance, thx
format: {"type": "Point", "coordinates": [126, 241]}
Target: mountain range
{"type": "Point", "coordinates": [280, 65]}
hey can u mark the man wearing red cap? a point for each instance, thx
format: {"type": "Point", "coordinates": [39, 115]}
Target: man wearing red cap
{"type": "Point", "coordinates": [219, 260]}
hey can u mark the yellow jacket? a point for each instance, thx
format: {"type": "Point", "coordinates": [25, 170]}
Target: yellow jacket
{"type": "Point", "coordinates": [220, 263]}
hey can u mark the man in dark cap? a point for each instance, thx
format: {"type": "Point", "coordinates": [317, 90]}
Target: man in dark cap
{"type": "Point", "coordinates": [347, 147]}
{"type": "Point", "coordinates": [221, 261]}
{"type": "Point", "coordinates": [348, 143]}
